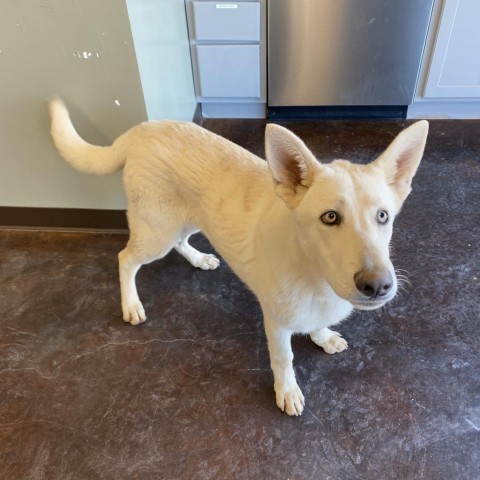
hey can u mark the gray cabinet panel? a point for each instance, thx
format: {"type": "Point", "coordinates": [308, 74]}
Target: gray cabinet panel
{"type": "Point", "coordinates": [229, 70]}
{"type": "Point", "coordinates": [227, 21]}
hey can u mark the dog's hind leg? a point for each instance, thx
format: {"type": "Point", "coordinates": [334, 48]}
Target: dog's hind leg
{"type": "Point", "coordinates": [145, 245]}
{"type": "Point", "coordinates": [330, 341]}
{"type": "Point", "coordinates": [198, 259]}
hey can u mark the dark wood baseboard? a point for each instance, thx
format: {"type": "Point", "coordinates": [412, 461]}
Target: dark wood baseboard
{"type": "Point", "coordinates": [62, 218]}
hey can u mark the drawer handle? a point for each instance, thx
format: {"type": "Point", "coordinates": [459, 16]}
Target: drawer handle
{"type": "Point", "coordinates": [226, 5]}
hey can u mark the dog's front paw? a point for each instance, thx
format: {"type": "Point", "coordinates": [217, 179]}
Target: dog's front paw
{"type": "Point", "coordinates": [332, 342]}
{"type": "Point", "coordinates": [208, 262]}
{"type": "Point", "coordinates": [134, 313]}
{"type": "Point", "coordinates": [290, 400]}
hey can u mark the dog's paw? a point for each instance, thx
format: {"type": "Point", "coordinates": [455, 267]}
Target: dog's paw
{"type": "Point", "coordinates": [332, 342]}
{"type": "Point", "coordinates": [290, 400]}
{"type": "Point", "coordinates": [208, 262]}
{"type": "Point", "coordinates": [134, 313]}
{"type": "Point", "coordinates": [335, 344]}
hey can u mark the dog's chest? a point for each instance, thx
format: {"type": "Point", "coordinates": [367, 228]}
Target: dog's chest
{"type": "Point", "coordinates": [304, 311]}
{"type": "Point", "coordinates": [319, 311]}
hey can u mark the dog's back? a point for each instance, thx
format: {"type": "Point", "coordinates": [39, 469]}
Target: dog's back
{"type": "Point", "coordinates": [165, 158]}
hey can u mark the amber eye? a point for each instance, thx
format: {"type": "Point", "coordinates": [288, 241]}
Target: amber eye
{"type": "Point", "coordinates": [382, 217]}
{"type": "Point", "coordinates": [330, 218]}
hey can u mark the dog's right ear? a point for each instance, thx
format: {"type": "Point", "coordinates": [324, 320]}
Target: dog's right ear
{"type": "Point", "coordinates": [291, 164]}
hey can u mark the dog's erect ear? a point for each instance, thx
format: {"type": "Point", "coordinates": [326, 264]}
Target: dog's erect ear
{"type": "Point", "coordinates": [400, 160]}
{"type": "Point", "coordinates": [291, 164]}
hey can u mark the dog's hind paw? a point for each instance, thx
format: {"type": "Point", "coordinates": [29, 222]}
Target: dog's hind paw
{"type": "Point", "coordinates": [332, 342]}
{"type": "Point", "coordinates": [134, 313]}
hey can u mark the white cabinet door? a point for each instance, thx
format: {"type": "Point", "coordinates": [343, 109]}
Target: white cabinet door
{"type": "Point", "coordinates": [455, 65]}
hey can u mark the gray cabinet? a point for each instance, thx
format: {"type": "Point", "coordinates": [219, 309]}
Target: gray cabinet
{"type": "Point", "coordinates": [226, 21]}
{"type": "Point", "coordinates": [455, 64]}
{"type": "Point", "coordinates": [227, 41]}
{"type": "Point", "coordinates": [228, 71]}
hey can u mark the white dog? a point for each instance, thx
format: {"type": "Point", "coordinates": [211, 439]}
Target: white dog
{"type": "Point", "coordinates": [311, 240]}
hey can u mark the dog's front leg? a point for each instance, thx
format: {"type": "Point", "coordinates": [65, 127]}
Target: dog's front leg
{"type": "Point", "coordinates": [288, 394]}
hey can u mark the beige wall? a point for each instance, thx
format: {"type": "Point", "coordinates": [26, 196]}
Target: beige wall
{"type": "Point", "coordinates": [83, 51]}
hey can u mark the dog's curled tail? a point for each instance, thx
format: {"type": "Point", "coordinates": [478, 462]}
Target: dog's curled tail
{"type": "Point", "coordinates": [77, 152]}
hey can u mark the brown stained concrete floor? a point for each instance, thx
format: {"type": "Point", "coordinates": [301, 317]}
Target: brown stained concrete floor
{"type": "Point", "coordinates": [188, 395]}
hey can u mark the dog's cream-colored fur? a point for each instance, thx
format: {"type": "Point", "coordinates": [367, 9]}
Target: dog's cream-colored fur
{"type": "Point", "coordinates": [311, 240]}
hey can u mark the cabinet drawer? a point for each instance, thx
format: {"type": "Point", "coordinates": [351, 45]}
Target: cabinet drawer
{"type": "Point", "coordinates": [228, 21]}
{"type": "Point", "coordinates": [228, 70]}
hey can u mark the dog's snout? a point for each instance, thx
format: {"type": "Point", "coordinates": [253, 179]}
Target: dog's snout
{"type": "Point", "coordinates": [373, 284]}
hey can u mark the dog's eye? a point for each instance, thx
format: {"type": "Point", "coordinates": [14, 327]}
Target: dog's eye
{"type": "Point", "coordinates": [382, 217]}
{"type": "Point", "coordinates": [330, 218]}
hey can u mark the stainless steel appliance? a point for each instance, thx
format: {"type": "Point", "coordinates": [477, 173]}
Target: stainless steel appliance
{"type": "Point", "coordinates": [345, 52]}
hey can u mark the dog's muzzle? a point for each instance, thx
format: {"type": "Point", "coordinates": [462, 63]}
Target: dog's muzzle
{"type": "Point", "coordinates": [376, 289]}
{"type": "Point", "coordinates": [373, 285]}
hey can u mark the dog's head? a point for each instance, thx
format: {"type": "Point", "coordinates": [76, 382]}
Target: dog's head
{"type": "Point", "coordinates": [344, 212]}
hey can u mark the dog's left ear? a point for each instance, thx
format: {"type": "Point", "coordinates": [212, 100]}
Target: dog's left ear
{"type": "Point", "coordinates": [400, 160]}
{"type": "Point", "coordinates": [291, 164]}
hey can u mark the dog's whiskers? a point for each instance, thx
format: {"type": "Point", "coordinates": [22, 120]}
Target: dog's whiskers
{"type": "Point", "coordinates": [402, 270]}
{"type": "Point", "coordinates": [403, 281]}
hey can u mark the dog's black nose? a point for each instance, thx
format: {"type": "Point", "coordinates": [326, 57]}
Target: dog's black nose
{"type": "Point", "coordinates": [373, 284]}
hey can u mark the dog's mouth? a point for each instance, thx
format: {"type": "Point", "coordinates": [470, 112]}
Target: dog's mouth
{"type": "Point", "coordinates": [373, 303]}
{"type": "Point", "coordinates": [369, 304]}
